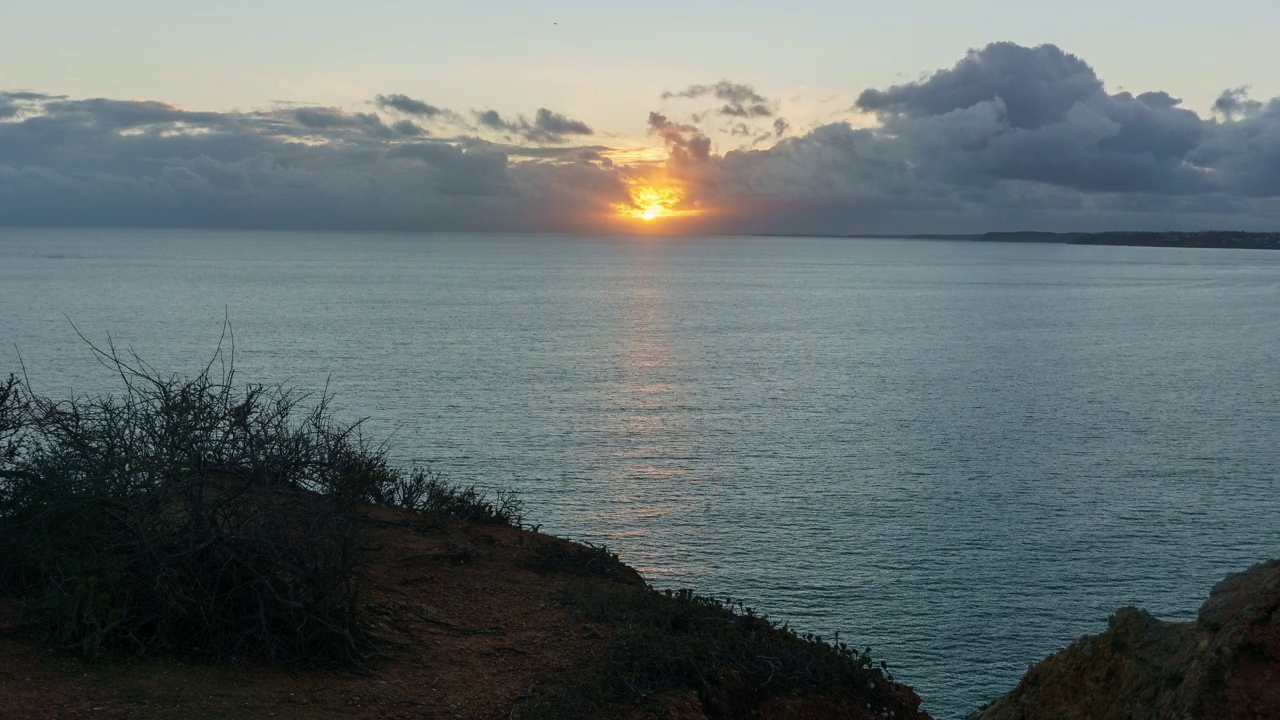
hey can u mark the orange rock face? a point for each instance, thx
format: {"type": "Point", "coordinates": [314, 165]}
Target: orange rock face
{"type": "Point", "coordinates": [1224, 665]}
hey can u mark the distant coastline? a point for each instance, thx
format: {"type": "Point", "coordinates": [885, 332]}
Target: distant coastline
{"type": "Point", "coordinates": [1206, 239]}
{"type": "Point", "coordinates": [1221, 239]}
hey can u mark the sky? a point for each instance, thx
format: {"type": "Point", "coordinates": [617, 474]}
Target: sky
{"type": "Point", "coordinates": [684, 117]}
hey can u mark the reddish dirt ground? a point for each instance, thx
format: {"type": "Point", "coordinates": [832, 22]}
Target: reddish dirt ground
{"type": "Point", "coordinates": [469, 630]}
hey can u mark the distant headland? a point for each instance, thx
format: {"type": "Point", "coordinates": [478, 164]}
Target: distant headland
{"type": "Point", "coordinates": [1205, 239]}
{"type": "Point", "coordinates": [1221, 239]}
{"type": "Point", "coordinates": [1202, 238]}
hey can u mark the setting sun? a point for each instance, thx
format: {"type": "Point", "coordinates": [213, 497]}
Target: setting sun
{"type": "Point", "coordinates": [651, 199]}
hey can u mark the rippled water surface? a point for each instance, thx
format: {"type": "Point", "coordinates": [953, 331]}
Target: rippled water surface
{"type": "Point", "coordinates": [961, 454]}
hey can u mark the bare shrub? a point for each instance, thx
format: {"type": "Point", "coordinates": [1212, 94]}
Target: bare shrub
{"type": "Point", "coordinates": [190, 515]}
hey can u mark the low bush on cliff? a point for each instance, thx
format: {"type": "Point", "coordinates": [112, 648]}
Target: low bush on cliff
{"type": "Point", "coordinates": [578, 558]}
{"type": "Point", "coordinates": [193, 515]}
{"type": "Point", "coordinates": [425, 491]}
{"type": "Point", "coordinates": [734, 660]}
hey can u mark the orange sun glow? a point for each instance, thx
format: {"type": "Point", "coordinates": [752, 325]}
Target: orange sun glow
{"type": "Point", "coordinates": [651, 200]}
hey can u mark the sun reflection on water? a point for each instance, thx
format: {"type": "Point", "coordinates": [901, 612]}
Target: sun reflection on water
{"type": "Point", "coordinates": [648, 428]}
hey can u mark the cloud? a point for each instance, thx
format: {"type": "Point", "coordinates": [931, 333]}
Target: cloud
{"type": "Point", "coordinates": [1037, 86]}
{"type": "Point", "coordinates": [406, 105]}
{"type": "Point", "coordinates": [557, 125]}
{"type": "Point", "coordinates": [409, 128]}
{"type": "Point", "coordinates": [744, 119]}
{"type": "Point", "coordinates": [740, 101]}
{"type": "Point", "coordinates": [1243, 150]}
{"type": "Point", "coordinates": [1007, 112]}
{"type": "Point", "coordinates": [1009, 134]}
{"type": "Point", "coordinates": [686, 143]}
{"type": "Point", "coordinates": [144, 163]}
{"type": "Point", "coordinates": [1008, 137]}
{"type": "Point", "coordinates": [547, 126]}
{"type": "Point", "coordinates": [493, 120]}
{"type": "Point", "coordinates": [322, 118]}
{"type": "Point", "coordinates": [1235, 103]}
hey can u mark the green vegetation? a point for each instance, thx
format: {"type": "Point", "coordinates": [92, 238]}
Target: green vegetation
{"type": "Point", "coordinates": [671, 642]}
{"type": "Point", "coordinates": [579, 559]}
{"type": "Point", "coordinates": [193, 516]}
{"type": "Point", "coordinates": [425, 491]}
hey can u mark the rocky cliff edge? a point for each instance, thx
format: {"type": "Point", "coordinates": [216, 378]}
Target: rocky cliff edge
{"type": "Point", "coordinates": [1226, 664]}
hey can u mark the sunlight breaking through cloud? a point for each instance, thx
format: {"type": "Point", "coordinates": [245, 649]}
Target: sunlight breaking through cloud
{"type": "Point", "coordinates": [1008, 137]}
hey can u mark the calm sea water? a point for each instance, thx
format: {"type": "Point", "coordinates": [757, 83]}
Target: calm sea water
{"type": "Point", "coordinates": [963, 455]}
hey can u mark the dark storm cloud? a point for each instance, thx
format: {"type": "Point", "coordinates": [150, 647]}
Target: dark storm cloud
{"type": "Point", "coordinates": [493, 120]}
{"type": "Point", "coordinates": [409, 128]}
{"type": "Point", "coordinates": [458, 171]}
{"type": "Point", "coordinates": [1007, 112]}
{"type": "Point", "coordinates": [744, 116]}
{"type": "Point", "coordinates": [1037, 86]}
{"type": "Point", "coordinates": [539, 152]}
{"type": "Point", "coordinates": [142, 163]}
{"type": "Point", "coordinates": [1244, 149]}
{"type": "Point", "coordinates": [321, 118]}
{"type": "Point", "coordinates": [1158, 99]}
{"type": "Point", "coordinates": [13, 101]}
{"type": "Point", "coordinates": [755, 110]}
{"type": "Point", "coordinates": [28, 95]}
{"type": "Point", "coordinates": [686, 143]}
{"type": "Point", "coordinates": [407, 105]}
{"type": "Point", "coordinates": [557, 125]}
{"type": "Point", "coordinates": [110, 115]}
{"type": "Point", "coordinates": [547, 126]}
{"type": "Point", "coordinates": [1009, 137]}
{"type": "Point", "coordinates": [318, 118]}
{"type": "Point", "coordinates": [741, 101]}
{"type": "Point", "coordinates": [1236, 102]}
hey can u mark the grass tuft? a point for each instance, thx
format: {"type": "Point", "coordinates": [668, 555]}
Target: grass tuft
{"type": "Point", "coordinates": [578, 559]}
{"type": "Point", "coordinates": [677, 641]}
{"type": "Point", "coordinates": [426, 491]}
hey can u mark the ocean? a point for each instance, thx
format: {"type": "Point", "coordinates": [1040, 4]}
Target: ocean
{"type": "Point", "coordinates": [961, 454]}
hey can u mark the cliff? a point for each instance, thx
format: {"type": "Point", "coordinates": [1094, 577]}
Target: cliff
{"type": "Point", "coordinates": [484, 621]}
{"type": "Point", "coordinates": [1225, 664]}
{"type": "Point", "coordinates": [236, 561]}
{"type": "Point", "coordinates": [489, 621]}
{"type": "Point", "coordinates": [191, 548]}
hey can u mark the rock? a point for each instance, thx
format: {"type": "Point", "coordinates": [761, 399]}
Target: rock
{"type": "Point", "coordinates": [1226, 664]}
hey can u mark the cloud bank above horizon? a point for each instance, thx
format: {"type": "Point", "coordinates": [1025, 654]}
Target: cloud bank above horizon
{"type": "Point", "coordinates": [1009, 137]}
